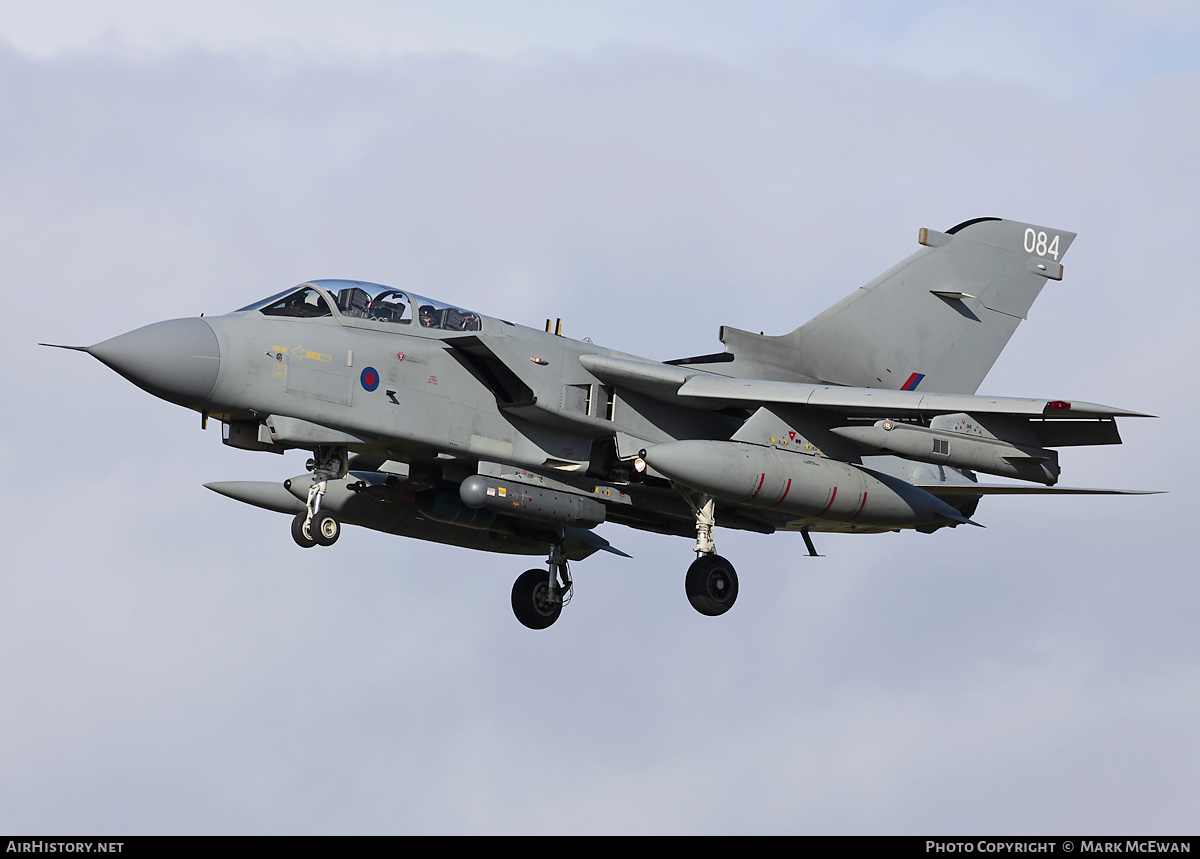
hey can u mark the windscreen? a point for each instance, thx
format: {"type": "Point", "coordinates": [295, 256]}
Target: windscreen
{"type": "Point", "coordinates": [302, 303]}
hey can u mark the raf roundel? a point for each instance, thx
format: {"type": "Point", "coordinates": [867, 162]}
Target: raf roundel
{"type": "Point", "coordinates": [369, 378]}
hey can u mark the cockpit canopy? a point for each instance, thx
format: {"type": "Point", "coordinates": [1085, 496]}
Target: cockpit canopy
{"type": "Point", "coordinates": [370, 301]}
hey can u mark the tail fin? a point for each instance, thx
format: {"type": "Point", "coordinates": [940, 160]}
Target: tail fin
{"type": "Point", "coordinates": [937, 321]}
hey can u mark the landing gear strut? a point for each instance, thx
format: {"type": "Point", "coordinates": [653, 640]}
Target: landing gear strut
{"type": "Point", "coordinates": [706, 519]}
{"type": "Point", "coordinates": [711, 583]}
{"type": "Point", "coordinates": [316, 527]}
{"type": "Point", "coordinates": [538, 596]}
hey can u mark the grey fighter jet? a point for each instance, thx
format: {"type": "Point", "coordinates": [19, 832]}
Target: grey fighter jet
{"type": "Point", "coordinates": [432, 421]}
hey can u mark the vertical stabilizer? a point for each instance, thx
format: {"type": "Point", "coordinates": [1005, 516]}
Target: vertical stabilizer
{"type": "Point", "coordinates": [935, 322]}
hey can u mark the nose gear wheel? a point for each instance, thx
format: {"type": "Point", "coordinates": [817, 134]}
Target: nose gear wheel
{"type": "Point", "coordinates": [314, 526]}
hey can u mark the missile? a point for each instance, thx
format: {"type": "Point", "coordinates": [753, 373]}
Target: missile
{"type": "Point", "coordinates": [799, 483]}
{"type": "Point", "coordinates": [945, 447]}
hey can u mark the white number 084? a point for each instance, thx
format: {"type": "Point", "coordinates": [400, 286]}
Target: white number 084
{"type": "Point", "coordinates": [1035, 242]}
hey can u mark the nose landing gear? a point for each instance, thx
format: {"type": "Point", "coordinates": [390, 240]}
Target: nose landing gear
{"type": "Point", "coordinates": [317, 527]}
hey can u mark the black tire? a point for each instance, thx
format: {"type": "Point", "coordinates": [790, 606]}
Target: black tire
{"type": "Point", "coordinates": [532, 602]}
{"type": "Point", "coordinates": [711, 585]}
{"type": "Point", "coordinates": [300, 534]}
{"type": "Point", "coordinates": [325, 528]}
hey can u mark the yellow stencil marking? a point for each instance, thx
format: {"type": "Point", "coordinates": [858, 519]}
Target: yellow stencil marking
{"type": "Point", "coordinates": [315, 356]}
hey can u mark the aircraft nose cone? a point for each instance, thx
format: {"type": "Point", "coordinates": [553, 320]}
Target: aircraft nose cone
{"type": "Point", "coordinates": [176, 360]}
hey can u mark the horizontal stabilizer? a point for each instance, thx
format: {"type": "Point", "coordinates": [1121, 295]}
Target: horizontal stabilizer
{"type": "Point", "coordinates": [946, 489]}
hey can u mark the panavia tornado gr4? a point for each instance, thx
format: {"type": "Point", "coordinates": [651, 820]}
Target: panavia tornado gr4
{"type": "Point", "coordinates": [435, 422]}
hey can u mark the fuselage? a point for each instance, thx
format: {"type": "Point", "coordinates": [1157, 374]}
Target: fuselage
{"type": "Point", "coordinates": [399, 377]}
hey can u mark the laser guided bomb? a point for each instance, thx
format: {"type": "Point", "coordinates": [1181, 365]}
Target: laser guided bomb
{"type": "Point", "coordinates": [432, 421]}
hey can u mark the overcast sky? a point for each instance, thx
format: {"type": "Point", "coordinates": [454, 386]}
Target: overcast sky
{"type": "Point", "coordinates": [172, 663]}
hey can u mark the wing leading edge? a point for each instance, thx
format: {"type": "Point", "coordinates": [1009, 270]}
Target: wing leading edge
{"type": "Point", "coordinates": [709, 391]}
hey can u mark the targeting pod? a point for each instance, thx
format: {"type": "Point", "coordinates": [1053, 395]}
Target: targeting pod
{"type": "Point", "coordinates": [531, 502]}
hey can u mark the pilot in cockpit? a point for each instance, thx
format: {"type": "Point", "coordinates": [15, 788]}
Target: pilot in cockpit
{"type": "Point", "coordinates": [428, 316]}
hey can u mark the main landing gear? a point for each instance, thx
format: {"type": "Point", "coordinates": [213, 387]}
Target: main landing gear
{"type": "Point", "coordinates": [538, 596]}
{"type": "Point", "coordinates": [314, 526]}
{"type": "Point", "coordinates": [711, 583]}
